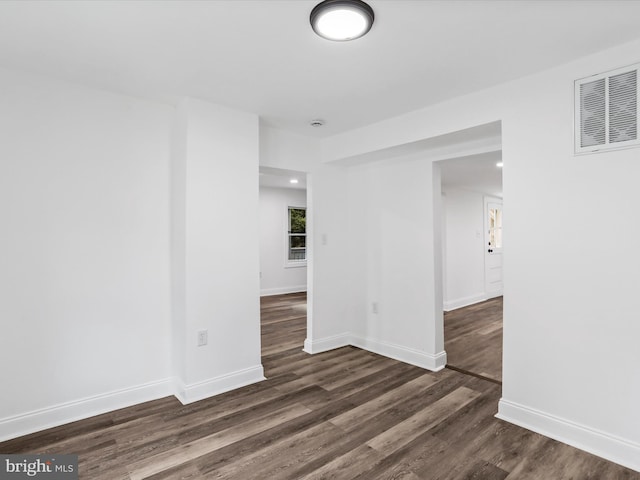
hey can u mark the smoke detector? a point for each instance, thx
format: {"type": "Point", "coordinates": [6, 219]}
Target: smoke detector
{"type": "Point", "coordinates": [316, 123]}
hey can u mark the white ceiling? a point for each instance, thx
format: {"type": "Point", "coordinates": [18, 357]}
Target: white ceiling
{"type": "Point", "coordinates": [261, 56]}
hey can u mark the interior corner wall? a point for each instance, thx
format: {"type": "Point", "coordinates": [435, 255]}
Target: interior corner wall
{"type": "Point", "coordinates": [178, 252]}
{"type": "Point", "coordinates": [276, 276]}
{"type": "Point", "coordinates": [84, 252]}
{"type": "Point", "coordinates": [221, 264]}
{"type": "Point", "coordinates": [464, 248]}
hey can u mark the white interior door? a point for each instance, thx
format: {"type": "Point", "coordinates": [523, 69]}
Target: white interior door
{"type": "Point", "coordinates": [493, 248]}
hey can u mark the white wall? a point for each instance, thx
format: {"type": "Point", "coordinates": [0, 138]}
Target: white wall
{"type": "Point", "coordinates": [391, 226]}
{"type": "Point", "coordinates": [463, 248]}
{"type": "Point", "coordinates": [328, 259]}
{"type": "Point", "coordinates": [287, 150]}
{"type": "Point", "coordinates": [217, 256]}
{"type": "Point", "coordinates": [276, 275]}
{"type": "Point", "coordinates": [571, 305]}
{"type": "Point", "coordinates": [118, 218]}
{"type": "Point", "coordinates": [570, 311]}
{"type": "Point", "coordinates": [84, 252]}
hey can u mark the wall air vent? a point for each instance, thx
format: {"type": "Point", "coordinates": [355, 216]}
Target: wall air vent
{"type": "Point", "coordinates": [606, 111]}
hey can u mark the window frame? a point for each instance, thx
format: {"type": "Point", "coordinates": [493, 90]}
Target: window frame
{"type": "Point", "coordinates": [288, 263]}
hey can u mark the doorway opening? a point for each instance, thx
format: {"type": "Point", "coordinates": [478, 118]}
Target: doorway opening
{"type": "Point", "coordinates": [283, 261]}
{"type": "Point", "coordinates": [472, 244]}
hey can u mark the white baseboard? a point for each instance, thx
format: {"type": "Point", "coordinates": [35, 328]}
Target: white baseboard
{"type": "Point", "coordinates": [464, 302]}
{"type": "Point", "coordinates": [326, 344]}
{"type": "Point", "coordinates": [37, 420]}
{"type": "Point", "coordinates": [266, 292]}
{"type": "Point", "coordinates": [189, 393]}
{"type": "Point", "coordinates": [612, 448]}
{"type": "Point", "coordinates": [42, 419]}
{"type": "Point", "coordinates": [404, 354]}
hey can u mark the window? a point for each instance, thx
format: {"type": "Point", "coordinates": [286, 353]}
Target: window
{"type": "Point", "coordinates": [297, 234]}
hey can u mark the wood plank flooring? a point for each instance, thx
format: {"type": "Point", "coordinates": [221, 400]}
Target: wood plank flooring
{"type": "Point", "coordinates": [343, 414]}
{"type": "Point", "coordinates": [473, 338]}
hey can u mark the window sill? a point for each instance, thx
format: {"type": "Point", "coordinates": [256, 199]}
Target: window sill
{"type": "Point", "coordinates": [300, 264]}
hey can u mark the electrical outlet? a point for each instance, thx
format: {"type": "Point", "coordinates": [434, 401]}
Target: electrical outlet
{"type": "Point", "coordinates": [203, 337]}
{"type": "Point", "coordinates": [374, 307]}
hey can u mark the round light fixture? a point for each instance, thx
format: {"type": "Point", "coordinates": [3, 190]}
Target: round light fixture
{"type": "Point", "coordinates": [341, 20]}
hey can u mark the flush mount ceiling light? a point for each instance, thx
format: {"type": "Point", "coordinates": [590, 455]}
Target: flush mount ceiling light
{"type": "Point", "coordinates": [341, 20]}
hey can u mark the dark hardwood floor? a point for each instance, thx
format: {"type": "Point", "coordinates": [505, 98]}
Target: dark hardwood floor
{"type": "Point", "coordinates": [343, 414]}
{"type": "Point", "coordinates": [473, 338]}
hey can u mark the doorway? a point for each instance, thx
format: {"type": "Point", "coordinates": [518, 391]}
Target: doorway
{"type": "Point", "coordinates": [493, 244]}
{"type": "Point", "coordinates": [472, 263]}
{"type": "Point", "coordinates": [283, 261]}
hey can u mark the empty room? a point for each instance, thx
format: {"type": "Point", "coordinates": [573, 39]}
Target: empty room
{"type": "Point", "coordinates": [251, 239]}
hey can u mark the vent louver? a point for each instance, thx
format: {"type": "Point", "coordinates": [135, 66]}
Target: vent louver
{"type": "Point", "coordinates": [623, 107]}
{"type": "Point", "coordinates": [607, 111]}
{"type": "Point", "coordinates": [592, 114]}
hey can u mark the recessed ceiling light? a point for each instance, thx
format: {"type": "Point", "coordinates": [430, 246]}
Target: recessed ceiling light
{"type": "Point", "coordinates": [316, 123]}
{"type": "Point", "coordinates": [341, 20]}
{"type": "Point", "coordinates": [499, 164]}
{"type": "Point", "coordinates": [293, 180]}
